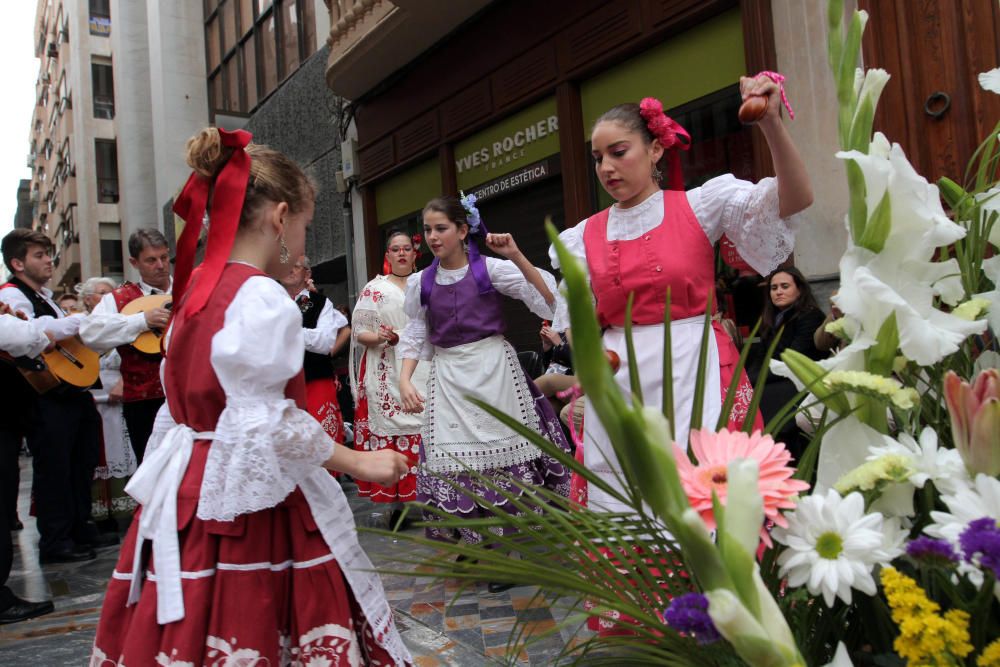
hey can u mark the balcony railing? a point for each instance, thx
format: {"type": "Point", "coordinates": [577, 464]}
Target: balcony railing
{"type": "Point", "coordinates": [350, 21]}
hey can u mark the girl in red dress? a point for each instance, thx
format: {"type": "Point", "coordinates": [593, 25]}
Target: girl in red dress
{"type": "Point", "coordinates": [244, 549]}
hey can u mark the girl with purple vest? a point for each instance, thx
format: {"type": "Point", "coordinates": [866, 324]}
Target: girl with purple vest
{"type": "Point", "coordinates": [653, 239]}
{"type": "Point", "coordinates": [456, 323]}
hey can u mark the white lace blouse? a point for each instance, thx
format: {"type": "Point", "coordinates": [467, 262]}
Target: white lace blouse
{"type": "Point", "coordinates": [506, 278]}
{"type": "Point", "coordinates": [745, 212]}
{"type": "Point", "coordinates": [264, 445]}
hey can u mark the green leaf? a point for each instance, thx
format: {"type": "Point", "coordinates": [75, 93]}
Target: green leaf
{"type": "Point", "coordinates": [633, 366]}
{"type": "Point", "coordinates": [734, 383]}
{"type": "Point", "coordinates": [880, 357]}
{"type": "Point", "coordinates": [811, 375]}
{"type": "Point", "coordinates": [952, 193]}
{"type": "Point", "coordinates": [878, 226]}
{"type": "Point", "coordinates": [698, 402]}
{"type": "Point", "coordinates": [668, 369]}
{"type": "Point", "coordinates": [857, 212]}
{"type": "Point", "coordinates": [861, 126]}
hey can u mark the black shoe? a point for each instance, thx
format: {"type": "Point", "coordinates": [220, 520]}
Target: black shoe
{"type": "Point", "coordinates": [98, 540]}
{"type": "Point", "coordinates": [499, 586]}
{"type": "Point", "coordinates": [74, 555]}
{"type": "Point", "coordinates": [22, 610]}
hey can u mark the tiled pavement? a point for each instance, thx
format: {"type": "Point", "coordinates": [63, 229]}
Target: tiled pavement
{"type": "Point", "coordinates": [439, 628]}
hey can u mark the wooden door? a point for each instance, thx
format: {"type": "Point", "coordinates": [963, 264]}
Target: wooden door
{"type": "Point", "coordinates": [933, 105]}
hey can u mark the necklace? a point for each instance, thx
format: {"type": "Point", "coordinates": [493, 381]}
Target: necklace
{"type": "Point", "coordinates": [401, 275]}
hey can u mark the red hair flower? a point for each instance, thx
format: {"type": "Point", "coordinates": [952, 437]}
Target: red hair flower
{"type": "Point", "coordinates": [661, 126]}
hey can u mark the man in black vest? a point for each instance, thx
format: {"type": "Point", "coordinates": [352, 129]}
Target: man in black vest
{"type": "Point", "coordinates": [326, 332]}
{"type": "Point", "coordinates": [17, 338]}
{"type": "Point", "coordinates": [64, 432]}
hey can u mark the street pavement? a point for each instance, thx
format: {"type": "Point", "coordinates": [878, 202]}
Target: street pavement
{"type": "Point", "coordinates": [441, 624]}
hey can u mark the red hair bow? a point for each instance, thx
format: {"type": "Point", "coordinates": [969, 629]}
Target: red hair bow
{"type": "Point", "coordinates": [228, 190]}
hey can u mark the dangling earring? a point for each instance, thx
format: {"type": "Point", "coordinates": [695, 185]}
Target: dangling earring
{"type": "Point", "coordinates": [657, 174]}
{"type": "Point", "coordinates": [283, 251]}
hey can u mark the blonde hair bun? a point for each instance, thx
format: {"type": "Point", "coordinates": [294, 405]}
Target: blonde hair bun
{"type": "Point", "coordinates": [206, 154]}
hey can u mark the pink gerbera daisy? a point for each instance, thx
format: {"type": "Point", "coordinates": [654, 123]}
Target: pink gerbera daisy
{"type": "Point", "coordinates": [714, 451]}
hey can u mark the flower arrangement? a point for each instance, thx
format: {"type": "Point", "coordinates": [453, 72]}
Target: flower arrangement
{"type": "Point", "coordinates": [883, 546]}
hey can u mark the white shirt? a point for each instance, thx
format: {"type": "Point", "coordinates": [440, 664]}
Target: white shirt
{"type": "Point", "coordinates": [20, 338]}
{"type": "Point", "coordinates": [105, 328]}
{"type": "Point", "coordinates": [60, 326]}
{"type": "Point", "coordinates": [506, 278]}
{"type": "Point", "coordinates": [321, 339]}
{"type": "Point", "coordinates": [747, 213]}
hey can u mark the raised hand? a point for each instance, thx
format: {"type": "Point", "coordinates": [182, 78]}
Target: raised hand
{"type": "Point", "coordinates": [503, 245]}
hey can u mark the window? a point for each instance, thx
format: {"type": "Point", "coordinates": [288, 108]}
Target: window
{"type": "Point", "coordinates": [100, 18]}
{"type": "Point", "coordinates": [100, 8]}
{"type": "Point", "coordinates": [107, 170]}
{"type": "Point", "coordinates": [102, 75]}
{"type": "Point", "coordinates": [251, 45]}
{"type": "Point", "coordinates": [112, 256]}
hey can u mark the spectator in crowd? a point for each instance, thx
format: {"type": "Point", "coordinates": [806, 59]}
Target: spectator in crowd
{"type": "Point", "coordinates": [69, 304]}
{"type": "Point", "coordinates": [791, 315]}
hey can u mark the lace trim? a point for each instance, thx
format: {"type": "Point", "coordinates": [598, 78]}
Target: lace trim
{"type": "Point", "coordinates": [263, 449]}
{"type": "Point", "coordinates": [490, 454]}
{"type": "Point", "coordinates": [117, 447]}
{"type": "Point", "coordinates": [752, 222]}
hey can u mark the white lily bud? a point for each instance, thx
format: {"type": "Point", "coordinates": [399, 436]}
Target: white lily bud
{"type": "Point", "coordinates": [744, 505]}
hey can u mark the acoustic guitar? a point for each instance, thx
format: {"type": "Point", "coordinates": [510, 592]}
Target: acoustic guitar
{"type": "Point", "coordinates": [148, 342]}
{"type": "Point", "coordinates": [70, 362]}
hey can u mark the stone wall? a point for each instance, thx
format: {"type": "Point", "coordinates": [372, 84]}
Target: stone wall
{"type": "Point", "coordinates": [300, 119]}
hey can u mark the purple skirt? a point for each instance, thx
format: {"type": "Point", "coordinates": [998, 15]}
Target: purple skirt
{"type": "Point", "coordinates": [473, 500]}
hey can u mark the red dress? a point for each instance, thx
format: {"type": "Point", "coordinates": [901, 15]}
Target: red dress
{"type": "Point", "coordinates": [264, 588]}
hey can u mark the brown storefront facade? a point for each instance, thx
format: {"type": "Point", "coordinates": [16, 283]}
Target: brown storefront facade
{"type": "Point", "coordinates": [503, 107]}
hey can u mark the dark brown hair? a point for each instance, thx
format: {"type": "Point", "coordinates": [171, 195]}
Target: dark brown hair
{"type": "Point", "coordinates": [15, 245]}
{"type": "Point", "coordinates": [274, 177]}
{"type": "Point", "coordinates": [628, 116]}
{"type": "Point", "coordinates": [450, 207]}
{"type": "Point", "coordinates": [805, 302]}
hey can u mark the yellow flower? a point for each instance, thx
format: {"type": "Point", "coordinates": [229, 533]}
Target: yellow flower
{"type": "Point", "coordinates": [870, 384]}
{"type": "Point", "coordinates": [924, 635]}
{"type": "Point", "coordinates": [875, 474]}
{"type": "Point", "coordinates": [990, 657]}
{"type": "Point", "coordinates": [971, 309]}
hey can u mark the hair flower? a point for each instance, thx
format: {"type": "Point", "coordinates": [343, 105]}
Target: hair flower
{"type": "Point", "coordinates": [469, 204]}
{"type": "Point", "coordinates": [660, 125]}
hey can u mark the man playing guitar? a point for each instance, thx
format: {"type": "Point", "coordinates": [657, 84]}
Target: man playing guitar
{"type": "Point", "coordinates": [107, 328]}
{"type": "Point", "coordinates": [62, 426]}
{"type": "Point", "coordinates": [17, 338]}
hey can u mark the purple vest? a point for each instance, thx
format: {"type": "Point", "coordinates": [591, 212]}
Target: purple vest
{"type": "Point", "coordinates": [459, 314]}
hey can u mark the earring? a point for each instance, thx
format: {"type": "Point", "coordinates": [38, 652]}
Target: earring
{"type": "Point", "coordinates": [283, 251]}
{"type": "Point", "coordinates": [657, 174]}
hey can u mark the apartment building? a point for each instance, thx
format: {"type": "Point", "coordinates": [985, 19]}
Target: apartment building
{"type": "Point", "coordinates": [119, 90]}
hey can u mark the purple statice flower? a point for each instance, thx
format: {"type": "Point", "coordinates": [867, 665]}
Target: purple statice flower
{"type": "Point", "coordinates": [688, 614]}
{"type": "Point", "coordinates": [935, 552]}
{"type": "Point", "coordinates": [982, 537]}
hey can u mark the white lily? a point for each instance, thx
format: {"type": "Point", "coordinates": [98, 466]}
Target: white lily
{"type": "Point", "coordinates": [991, 268]}
{"type": "Point", "coordinates": [991, 80]}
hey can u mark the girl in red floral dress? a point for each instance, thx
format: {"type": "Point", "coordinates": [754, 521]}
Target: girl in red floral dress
{"type": "Point", "coordinates": [380, 422]}
{"type": "Point", "coordinates": [244, 550]}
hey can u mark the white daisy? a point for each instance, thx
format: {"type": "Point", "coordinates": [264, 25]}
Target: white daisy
{"type": "Point", "coordinates": [990, 80]}
{"type": "Point", "coordinates": [832, 546]}
{"type": "Point", "coordinates": [940, 465]}
{"type": "Point", "coordinates": [967, 503]}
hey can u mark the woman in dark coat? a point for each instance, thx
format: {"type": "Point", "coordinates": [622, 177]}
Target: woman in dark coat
{"type": "Point", "coordinates": [791, 312]}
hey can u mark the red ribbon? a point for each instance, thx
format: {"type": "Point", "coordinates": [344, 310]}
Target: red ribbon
{"type": "Point", "coordinates": [670, 134]}
{"type": "Point", "coordinates": [229, 190]}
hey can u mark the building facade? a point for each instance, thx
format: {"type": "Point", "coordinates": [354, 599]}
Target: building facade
{"type": "Point", "coordinates": [265, 65]}
{"type": "Point", "coordinates": [498, 98]}
{"type": "Point", "coordinates": [120, 89]}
